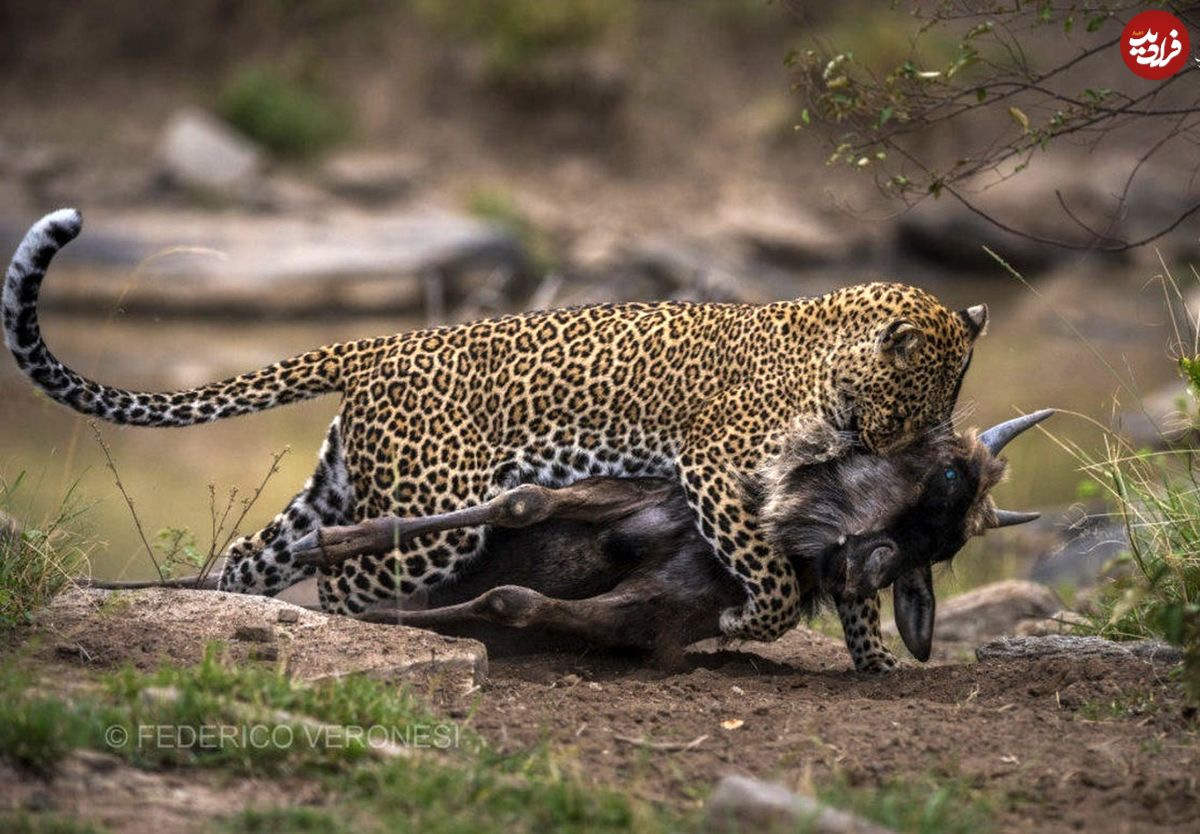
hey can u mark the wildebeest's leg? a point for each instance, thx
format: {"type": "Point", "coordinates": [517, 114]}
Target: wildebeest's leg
{"type": "Point", "coordinates": [264, 563]}
{"type": "Point", "coordinates": [626, 616]}
{"type": "Point", "coordinates": [860, 626]}
{"type": "Point", "coordinates": [596, 500]}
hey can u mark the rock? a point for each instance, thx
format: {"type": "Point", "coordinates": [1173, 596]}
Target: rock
{"type": "Point", "coordinates": [946, 231]}
{"type": "Point", "coordinates": [784, 237]}
{"type": "Point", "coordinates": [146, 627]}
{"type": "Point", "coordinates": [1163, 419]}
{"type": "Point", "coordinates": [1076, 648]}
{"type": "Point", "coordinates": [233, 263]}
{"type": "Point", "coordinates": [198, 151]}
{"type": "Point", "coordinates": [588, 81]}
{"type": "Point", "coordinates": [288, 615]}
{"type": "Point", "coordinates": [10, 528]}
{"type": "Point", "coordinates": [1082, 554]}
{"type": "Point", "coordinates": [254, 633]}
{"type": "Point", "coordinates": [741, 803]}
{"type": "Point", "coordinates": [990, 611]}
{"type": "Point", "coordinates": [690, 269]}
{"type": "Point", "coordinates": [1061, 623]}
{"type": "Point", "coordinates": [370, 179]}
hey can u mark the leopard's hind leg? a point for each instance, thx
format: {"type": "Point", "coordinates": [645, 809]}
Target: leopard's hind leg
{"type": "Point", "coordinates": [263, 563]}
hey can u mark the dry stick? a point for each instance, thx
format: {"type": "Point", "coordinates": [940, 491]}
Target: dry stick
{"type": "Point", "coordinates": [247, 505]}
{"type": "Point", "coordinates": [665, 746]}
{"type": "Point", "coordinates": [101, 345]}
{"type": "Point", "coordinates": [137, 522]}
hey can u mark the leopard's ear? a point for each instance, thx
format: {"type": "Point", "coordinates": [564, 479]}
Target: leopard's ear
{"type": "Point", "coordinates": [900, 341]}
{"type": "Point", "coordinates": [976, 320]}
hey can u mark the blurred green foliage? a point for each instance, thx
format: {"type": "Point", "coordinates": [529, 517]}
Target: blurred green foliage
{"type": "Point", "coordinates": [40, 560]}
{"type": "Point", "coordinates": [497, 205]}
{"type": "Point", "coordinates": [1156, 590]}
{"type": "Point", "coordinates": [517, 33]}
{"type": "Point", "coordinates": [290, 119]}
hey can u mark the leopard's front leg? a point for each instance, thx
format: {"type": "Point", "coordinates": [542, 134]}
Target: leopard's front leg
{"type": "Point", "coordinates": [709, 466]}
{"type": "Point", "coordinates": [860, 627]}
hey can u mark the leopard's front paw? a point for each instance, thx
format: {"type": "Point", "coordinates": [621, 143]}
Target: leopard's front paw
{"type": "Point", "coordinates": [879, 662]}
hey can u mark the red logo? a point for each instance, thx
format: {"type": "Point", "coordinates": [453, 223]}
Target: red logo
{"type": "Point", "coordinates": [1155, 45]}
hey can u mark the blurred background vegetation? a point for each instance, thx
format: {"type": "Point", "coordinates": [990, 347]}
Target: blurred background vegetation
{"type": "Point", "coordinates": [260, 177]}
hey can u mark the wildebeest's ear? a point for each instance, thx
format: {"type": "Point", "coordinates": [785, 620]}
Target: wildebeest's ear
{"type": "Point", "coordinates": [914, 604]}
{"type": "Point", "coordinates": [899, 341]}
{"type": "Point", "coordinates": [870, 565]}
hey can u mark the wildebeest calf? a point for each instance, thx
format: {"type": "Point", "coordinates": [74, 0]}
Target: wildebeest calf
{"type": "Point", "coordinates": [618, 562]}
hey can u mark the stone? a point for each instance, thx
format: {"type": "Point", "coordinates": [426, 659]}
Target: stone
{"type": "Point", "coordinates": [149, 626]}
{"type": "Point", "coordinates": [199, 151]}
{"type": "Point", "coordinates": [10, 528]}
{"type": "Point", "coordinates": [742, 803]}
{"type": "Point", "coordinates": [234, 263]}
{"type": "Point", "coordinates": [370, 179]}
{"type": "Point", "coordinates": [785, 237]}
{"type": "Point", "coordinates": [990, 611]}
{"type": "Point", "coordinates": [254, 633]}
{"type": "Point", "coordinates": [582, 81]}
{"type": "Point", "coordinates": [1162, 419]}
{"type": "Point", "coordinates": [1077, 197]}
{"type": "Point", "coordinates": [1061, 623]}
{"type": "Point", "coordinates": [1076, 648]}
{"type": "Point", "coordinates": [1081, 554]}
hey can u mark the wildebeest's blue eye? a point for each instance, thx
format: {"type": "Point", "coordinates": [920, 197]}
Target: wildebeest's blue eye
{"type": "Point", "coordinates": [950, 474]}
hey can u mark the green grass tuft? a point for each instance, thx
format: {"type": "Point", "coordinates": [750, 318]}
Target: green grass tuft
{"type": "Point", "coordinates": [25, 823]}
{"type": "Point", "coordinates": [289, 119]}
{"type": "Point", "coordinates": [1155, 589]}
{"type": "Point", "coordinates": [37, 561]}
{"type": "Point", "coordinates": [497, 205]}
{"type": "Point", "coordinates": [518, 33]}
{"type": "Point", "coordinates": [926, 805]}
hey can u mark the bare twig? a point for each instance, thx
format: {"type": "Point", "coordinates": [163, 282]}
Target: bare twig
{"type": "Point", "coordinates": [137, 522]}
{"type": "Point", "coordinates": [662, 745]}
{"type": "Point", "coordinates": [219, 525]}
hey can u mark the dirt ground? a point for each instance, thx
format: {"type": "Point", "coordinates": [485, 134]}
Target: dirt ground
{"type": "Point", "coordinates": [1059, 745]}
{"type": "Point", "coordinates": [1051, 745]}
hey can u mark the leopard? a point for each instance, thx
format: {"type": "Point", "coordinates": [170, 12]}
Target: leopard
{"type": "Point", "coordinates": [439, 418]}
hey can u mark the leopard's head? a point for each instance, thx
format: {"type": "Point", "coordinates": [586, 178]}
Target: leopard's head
{"type": "Point", "coordinates": [896, 360]}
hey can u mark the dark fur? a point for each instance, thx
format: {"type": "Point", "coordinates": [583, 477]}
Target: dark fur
{"type": "Point", "coordinates": [648, 580]}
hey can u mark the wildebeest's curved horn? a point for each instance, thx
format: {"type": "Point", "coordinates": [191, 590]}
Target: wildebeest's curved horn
{"type": "Point", "coordinates": [997, 437]}
{"type": "Point", "coordinates": [1009, 518]}
{"type": "Point", "coordinates": [914, 607]}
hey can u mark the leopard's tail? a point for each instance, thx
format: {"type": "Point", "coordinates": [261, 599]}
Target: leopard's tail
{"type": "Point", "coordinates": [299, 378]}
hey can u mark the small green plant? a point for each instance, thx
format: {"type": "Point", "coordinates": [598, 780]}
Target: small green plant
{"type": "Point", "coordinates": [270, 820]}
{"type": "Point", "coordinates": [1155, 585]}
{"type": "Point", "coordinates": [37, 562]}
{"type": "Point", "coordinates": [179, 549]}
{"type": "Point", "coordinates": [25, 823]}
{"type": "Point", "coordinates": [518, 33]}
{"type": "Point", "coordinates": [497, 205]}
{"type": "Point", "coordinates": [462, 786]}
{"type": "Point", "coordinates": [290, 119]}
{"type": "Point", "coordinates": [37, 730]}
{"type": "Point", "coordinates": [929, 804]}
